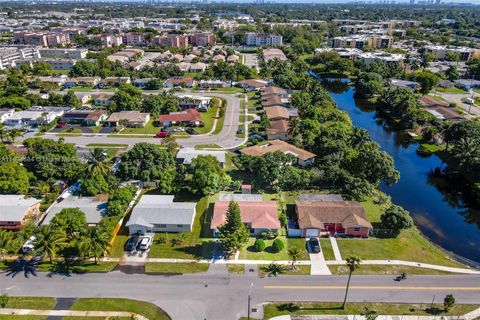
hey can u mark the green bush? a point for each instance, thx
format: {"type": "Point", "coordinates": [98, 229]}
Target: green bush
{"type": "Point", "coordinates": [259, 245]}
{"type": "Point", "coordinates": [278, 245]}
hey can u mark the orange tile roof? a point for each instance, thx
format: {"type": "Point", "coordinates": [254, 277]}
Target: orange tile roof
{"type": "Point", "coordinates": [260, 214]}
{"type": "Point", "coordinates": [277, 145]}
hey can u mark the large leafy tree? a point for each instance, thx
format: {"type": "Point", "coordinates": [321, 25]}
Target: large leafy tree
{"type": "Point", "coordinates": [207, 175]}
{"type": "Point", "coordinates": [427, 80]}
{"type": "Point", "coordinates": [233, 235]}
{"type": "Point", "coordinates": [160, 104]}
{"type": "Point", "coordinates": [368, 84]}
{"type": "Point", "coordinates": [396, 218]}
{"type": "Point", "coordinates": [127, 97]}
{"type": "Point", "coordinates": [69, 221]}
{"type": "Point", "coordinates": [14, 178]}
{"type": "Point", "coordinates": [148, 162]}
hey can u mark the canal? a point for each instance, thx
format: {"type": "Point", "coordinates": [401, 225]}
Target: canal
{"type": "Point", "coordinates": [434, 204]}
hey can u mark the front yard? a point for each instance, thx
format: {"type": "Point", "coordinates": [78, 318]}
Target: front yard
{"type": "Point", "coordinates": [175, 268]}
{"type": "Point", "coordinates": [249, 253]}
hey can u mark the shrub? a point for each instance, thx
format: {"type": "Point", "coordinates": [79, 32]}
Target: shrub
{"type": "Point", "coordinates": [283, 219]}
{"type": "Point", "coordinates": [259, 245]}
{"type": "Point", "coordinates": [278, 245]}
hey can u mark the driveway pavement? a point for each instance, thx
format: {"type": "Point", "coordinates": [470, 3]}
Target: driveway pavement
{"type": "Point", "coordinates": [318, 264]}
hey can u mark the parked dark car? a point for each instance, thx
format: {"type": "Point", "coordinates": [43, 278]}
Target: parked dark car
{"type": "Point", "coordinates": [131, 243]}
{"type": "Point", "coordinates": [61, 124]}
{"type": "Point", "coordinates": [191, 131]}
{"type": "Point", "coordinates": [314, 245]}
{"type": "Point", "coordinates": [256, 121]}
{"type": "Point", "coordinates": [162, 134]}
{"type": "Point", "coordinates": [256, 137]}
{"type": "Point", "coordinates": [240, 131]}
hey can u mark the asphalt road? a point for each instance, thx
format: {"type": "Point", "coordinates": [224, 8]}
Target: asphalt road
{"type": "Point", "coordinates": [224, 297]}
{"type": "Point", "coordinates": [457, 99]}
{"type": "Point", "coordinates": [226, 138]}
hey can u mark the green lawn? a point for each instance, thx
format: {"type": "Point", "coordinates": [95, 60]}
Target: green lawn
{"type": "Point", "coordinates": [451, 90]}
{"type": "Point", "coordinates": [228, 90]}
{"type": "Point", "coordinates": [385, 269]}
{"type": "Point", "coordinates": [221, 120]}
{"type": "Point", "coordinates": [249, 253]}
{"type": "Point", "coordinates": [175, 268]}
{"type": "Point", "coordinates": [21, 317]}
{"type": "Point", "coordinates": [209, 118]}
{"type": "Point", "coordinates": [299, 270]}
{"type": "Point", "coordinates": [106, 145]}
{"type": "Point", "coordinates": [117, 248]}
{"type": "Point", "coordinates": [327, 250]}
{"type": "Point", "coordinates": [207, 146]}
{"type": "Point", "coordinates": [197, 244]}
{"type": "Point", "coordinates": [101, 267]}
{"type": "Point", "coordinates": [318, 308]}
{"type": "Point", "coordinates": [236, 268]}
{"type": "Point", "coordinates": [146, 309]}
{"type": "Point", "coordinates": [148, 129]}
{"type": "Point", "coordinates": [39, 303]}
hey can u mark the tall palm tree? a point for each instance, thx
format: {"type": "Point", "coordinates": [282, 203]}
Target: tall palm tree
{"type": "Point", "coordinates": [5, 239]}
{"type": "Point", "coordinates": [467, 152]}
{"type": "Point", "coordinates": [93, 243]}
{"type": "Point", "coordinates": [97, 162]}
{"type": "Point", "coordinates": [48, 242]}
{"type": "Point", "coordinates": [353, 262]}
{"type": "Point", "coordinates": [15, 133]}
{"type": "Point", "coordinates": [294, 254]}
{"type": "Point", "coordinates": [294, 127]}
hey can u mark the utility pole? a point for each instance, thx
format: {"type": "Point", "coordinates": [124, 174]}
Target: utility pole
{"type": "Point", "coordinates": [249, 298]}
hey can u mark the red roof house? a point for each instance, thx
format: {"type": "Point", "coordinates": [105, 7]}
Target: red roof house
{"type": "Point", "coordinates": [259, 216]}
{"type": "Point", "coordinates": [189, 116]}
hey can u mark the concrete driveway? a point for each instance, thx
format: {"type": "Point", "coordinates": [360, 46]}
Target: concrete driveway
{"type": "Point", "coordinates": [318, 266]}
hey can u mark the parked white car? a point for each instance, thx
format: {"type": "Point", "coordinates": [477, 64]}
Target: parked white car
{"type": "Point", "coordinates": [29, 244]}
{"type": "Point", "coordinates": [145, 243]}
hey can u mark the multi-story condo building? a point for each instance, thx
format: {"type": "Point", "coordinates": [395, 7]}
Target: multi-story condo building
{"type": "Point", "coordinates": [225, 25]}
{"type": "Point", "coordinates": [440, 52]}
{"type": "Point", "coordinates": [361, 41]}
{"type": "Point", "coordinates": [8, 55]}
{"type": "Point", "coordinates": [43, 39]}
{"type": "Point", "coordinates": [203, 39]}
{"type": "Point", "coordinates": [109, 40]}
{"type": "Point", "coordinates": [176, 41]}
{"type": "Point", "coordinates": [264, 39]}
{"type": "Point", "coordinates": [133, 39]}
{"type": "Point", "coordinates": [63, 53]}
{"type": "Point", "coordinates": [57, 64]}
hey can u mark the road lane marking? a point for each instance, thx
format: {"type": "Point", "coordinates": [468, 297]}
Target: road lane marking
{"type": "Point", "coordinates": [373, 288]}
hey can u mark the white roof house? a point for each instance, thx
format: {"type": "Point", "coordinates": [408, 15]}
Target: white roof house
{"type": "Point", "coordinates": [35, 116]}
{"type": "Point", "coordinates": [155, 213]}
{"type": "Point", "coordinates": [15, 208]}
{"type": "Point", "coordinates": [186, 155]}
{"type": "Point", "coordinates": [94, 209]}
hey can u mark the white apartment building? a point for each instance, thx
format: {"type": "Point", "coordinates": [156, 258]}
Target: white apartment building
{"type": "Point", "coordinates": [111, 40]}
{"type": "Point", "coordinates": [361, 41]}
{"type": "Point", "coordinates": [440, 52]}
{"type": "Point", "coordinates": [8, 55]}
{"type": "Point", "coordinates": [57, 64]}
{"type": "Point", "coordinates": [264, 39]}
{"type": "Point", "coordinates": [382, 57]}
{"type": "Point", "coordinates": [63, 53]}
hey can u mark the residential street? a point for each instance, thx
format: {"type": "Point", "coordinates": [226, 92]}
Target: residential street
{"type": "Point", "coordinates": [226, 138]}
{"type": "Point", "coordinates": [457, 99]}
{"type": "Point", "coordinates": [223, 297]}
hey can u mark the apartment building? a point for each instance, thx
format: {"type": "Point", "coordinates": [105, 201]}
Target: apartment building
{"type": "Point", "coordinates": [111, 40]}
{"type": "Point", "coordinates": [382, 57]}
{"type": "Point", "coordinates": [63, 53]}
{"type": "Point", "coordinates": [440, 52]}
{"type": "Point", "coordinates": [57, 64]}
{"type": "Point", "coordinates": [8, 55]}
{"type": "Point", "coordinates": [175, 41]}
{"type": "Point", "coordinates": [264, 39]}
{"type": "Point", "coordinates": [133, 39]}
{"type": "Point", "coordinates": [202, 39]}
{"type": "Point", "coordinates": [43, 39]}
{"type": "Point", "coordinates": [225, 25]}
{"type": "Point", "coordinates": [361, 41]}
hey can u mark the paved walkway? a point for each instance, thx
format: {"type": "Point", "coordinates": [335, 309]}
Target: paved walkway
{"type": "Point", "coordinates": [336, 250]}
{"type": "Point", "coordinates": [71, 313]}
{"type": "Point", "coordinates": [317, 262]}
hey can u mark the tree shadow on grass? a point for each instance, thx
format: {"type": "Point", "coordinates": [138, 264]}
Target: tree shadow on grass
{"type": "Point", "coordinates": [199, 251]}
{"type": "Point", "coordinates": [67, 267]}
{"type": "Point", "coordinates": [22, 265]}
{"type": "Point", "coordinates": [434, 310]}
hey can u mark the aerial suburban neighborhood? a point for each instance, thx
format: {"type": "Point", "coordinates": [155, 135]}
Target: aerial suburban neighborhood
{"type": "Point", "coordinates": [217, 160]}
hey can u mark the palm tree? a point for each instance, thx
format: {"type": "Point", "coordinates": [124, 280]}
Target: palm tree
{"type": "Point", "coordinates": [294, 254]}
{"type": "Point", "coordinates": [467, 152]}
{"type": "Point", "coordinates": [3, 134]}
{"type": "Point", "coordinates": [294, 127]}
{"type": "Point", "coordinates": [93, 243]}
{"type": "Point", "coordinates": [359, 136]}
{"type": "Point", "coordinates": [97, 163]}
{"type": "Point", "coordinates": [274, 269]}
{"type": "Point", "coordinates": [15, 133]}
{"type": "Point", "coordinates": [5, 239]}
{"type": "Point", "coordinates": [353, 262]}
{"type": "Point", "coordinates": [48, 242]}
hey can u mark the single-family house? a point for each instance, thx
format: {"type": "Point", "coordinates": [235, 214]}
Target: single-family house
{"type": "Point", "coordinates": [258, 216]}
{"type": "Point", "coordinates": [35, 116]}
{"type": "Point", "coordinates": [233, 58]}
{"type": "Point", "coordinates": [254, 84]}
{"type": "Point", "coordinates": [404, 84]}
{"type": "Point", "coordinates": [15, 210]}
{"type": "Point", "coordinates": [303, 158]}
{"type": "Point", "coordinates": [467, 84]}
{"type": "Point", "coordinates": [85, 117]}
{"type": "Point", "coordinates": [184, 66]}
{"type": "Point", "coordinates": [335, 217]}
{"type": "Point", "coordinates": [198, 67]}
{"type": "Point", "coordinates": [275, 101]}
{"type": "Point", "coordinates": [186, 155]}
{"type": "Point", "coordinates": [114, 81]}
{"type": "Point", "coordinates": [277, 113]}
{"type": "Point", "coordinates": [133, 119]}
{"type": "Point", "coordinates": [212, 84]}
{"type": "Point", "coordinates": [273, 91]}
{"type": "Point", "coordinates": [142, 82]}
{"type": "Point", "coordinates": [95, 208]}
{"type": "Point", "coordinates": [102, 99]}
{"type": "Point", "coordinates": [158, 213]}
{"type": "Point", "coordinates": [193, 101]}
{"type": "Point", "coordinates": [278, 130]}
{"type": "Point", "coordinates": [83, 97]}
{"type": "Point", "coordinates": [187, 117]}
{"type": "Point", "coordinates": [218, 57]}
{"type": "Point", "coordinates": [179, 81]}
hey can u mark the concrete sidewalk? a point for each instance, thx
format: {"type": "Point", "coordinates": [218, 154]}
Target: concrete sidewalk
{"type": "Point", "coordinates": [72, 313]}
{"type": "Point", "coordinates": [336, 250]}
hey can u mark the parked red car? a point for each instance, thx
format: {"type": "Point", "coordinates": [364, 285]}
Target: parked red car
{"type": "Point", "coordinates": [162, 134]}
{"type": "Point", "coordinates": [61, 124]}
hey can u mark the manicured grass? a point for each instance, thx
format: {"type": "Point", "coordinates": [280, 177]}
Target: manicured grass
{"type": "Point", "coordinates": [228, 90]}
{"type": "Point", "coordinates": [385, 269]}
{"type": "Point", "coordinates": [451, 90]}
{"type": "Point", "coordinates": [236, 268]}
{"type": "Point", "coordinates": [89, 266]}
{"type": "Point", "coordinates": [21, 317]}
{"type": "Point", "coordinates": [146, 309]}
{"type": "Point", "coordinates": [207, 146]}
{"type": "Point", "coordinates": [148, 129]}
{"type": "Point", "coordinates": [117, 248]}
{"type": "Point", "coordinates": [195, 246]}
{"type": "Point", "coordinates": [106, 145]}
{"type": "Point", "coordinates": [39, 303]}
{"type": "Point", "coordinates": [221, 120]}
{"type": "Point", "coordinates": [277, 309]}
{"type": "Point", "coordinates": [249, 253]}
{"type": "Point", "coordinates": [71, 134]}
{"type": "Point", "coordinates": [132, 136]}
{"type": "Point", "coordinates": [299, 270]}
{"type": "Point", "coordinates": [431, 148]}
{"type": "Point", "coordinates": [327, 250]}
{"type": "Point", "coordinates": [209, 118]}
{"type": "Point", "coordinates": [95, 318]}
{"type": "Point", "coordinates": [437, 98]}
{"type": "Point", "coordinates": [175, 268]}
